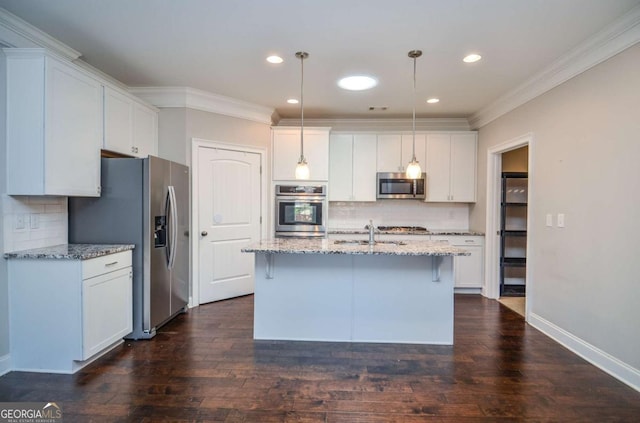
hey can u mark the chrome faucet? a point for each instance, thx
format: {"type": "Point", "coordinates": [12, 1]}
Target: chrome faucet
{"type": "Point", "coordinates": [371, 233]}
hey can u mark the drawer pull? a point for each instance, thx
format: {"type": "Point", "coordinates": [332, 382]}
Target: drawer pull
{"type": "Point", "coordinates": [111, 264]}
{"type": "Point", "coordinates": [469, 240]}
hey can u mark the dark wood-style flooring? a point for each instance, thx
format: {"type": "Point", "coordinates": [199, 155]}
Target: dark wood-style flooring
{"type": "Point", "coordinates": [205, 366]}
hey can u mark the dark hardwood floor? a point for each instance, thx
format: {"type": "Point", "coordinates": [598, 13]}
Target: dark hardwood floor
{"type": "Point", "coordinates": [205, 366]}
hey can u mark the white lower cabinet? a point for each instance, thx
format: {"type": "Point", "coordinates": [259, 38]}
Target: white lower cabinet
{"type": "Point", "coordinates": [469, 270]}
{"type": "Point", "coordinates": [65, 313]}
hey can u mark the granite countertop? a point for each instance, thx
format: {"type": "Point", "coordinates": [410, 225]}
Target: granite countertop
{"type": "Point", "coordinates": [464, 232]}
{"type": "Point", "coordinates": [70, 251]}
{"type": "Point", "coordinates": [328, 246]}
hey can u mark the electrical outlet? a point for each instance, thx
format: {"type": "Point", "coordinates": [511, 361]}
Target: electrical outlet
{"type": "Point", "coordinates": [35, 221]}
{"type": "Point", "coordinates": [20, 221]}
{"type": "Point", "coordinates": [560, 220]}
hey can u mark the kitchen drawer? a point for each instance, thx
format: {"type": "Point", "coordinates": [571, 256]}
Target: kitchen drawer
{"type": "Point", "coordinates": [459, 240]}
{"type": "Point", "coordinates": [105, 264]}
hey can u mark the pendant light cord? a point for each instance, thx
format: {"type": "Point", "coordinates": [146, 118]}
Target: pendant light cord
{"type": "Point", "coordinates": [302, 108]}
{"type": "Point", "coordinates": [413, 157]}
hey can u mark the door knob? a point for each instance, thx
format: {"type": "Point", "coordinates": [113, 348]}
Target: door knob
{"type": "Point", "coordinates": [204, 233]}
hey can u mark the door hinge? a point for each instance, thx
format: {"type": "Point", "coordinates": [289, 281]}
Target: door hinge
{"type": "Point", "coordinates": [260, 169]}
{"type": "Point", "coordinates": [261, 220]}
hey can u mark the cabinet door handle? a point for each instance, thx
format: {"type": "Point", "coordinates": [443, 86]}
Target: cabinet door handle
{"type": "Point", "coordinates": [113, 263]}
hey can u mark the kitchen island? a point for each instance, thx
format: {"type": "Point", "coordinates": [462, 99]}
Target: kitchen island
{"type": "Point", "coordinates": [333, 290]}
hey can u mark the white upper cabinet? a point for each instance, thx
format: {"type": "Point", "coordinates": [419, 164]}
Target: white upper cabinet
{"type": "Point", "coordinates": [451, 167]}
{"type": "Point", "coordinates": [286, 152]}
{"type": "Point", "coordinates": [54, 126]}
{"type": "Point", "coordinates": [389, 153]}
{"type": "Point", "coordinates": [130, 127]}
{"type": "Point", "coordinates": [352, 167]}
{"type": "Point", "coordinates": [407, 150]}
{"type": "Point", "coordinates": [395, 151]}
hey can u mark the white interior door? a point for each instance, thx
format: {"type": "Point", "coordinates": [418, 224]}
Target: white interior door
{"type": "Point", "coordinates": [229, 219]}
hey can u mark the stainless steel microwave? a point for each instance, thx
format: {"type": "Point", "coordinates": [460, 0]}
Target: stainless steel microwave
{"type": "Point", "coordinates": [398, 186]}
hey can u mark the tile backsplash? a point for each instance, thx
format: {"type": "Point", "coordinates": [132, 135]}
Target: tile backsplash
{"type": "Point", "coordinates": [352, 215]}
{"type": "Point", "coordinates": [33, 222]}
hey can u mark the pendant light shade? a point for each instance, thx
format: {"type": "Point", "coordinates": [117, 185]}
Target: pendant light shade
{"type": "Point", "coordinates": [302, 168]}
{"type": "Point", "coordinates": [413, 168]}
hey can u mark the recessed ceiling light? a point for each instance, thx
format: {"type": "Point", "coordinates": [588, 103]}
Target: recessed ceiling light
{"type": "Point", "coordinates": [357, 83]}
{"type": "Point", "coordinates": [433, 100]}
{"type": "Point", "coordinates": [274, 59]}
{"type": "Point", "coordinates": [472, 58]}
{"type": "Point", "coordinates": [293, 101]}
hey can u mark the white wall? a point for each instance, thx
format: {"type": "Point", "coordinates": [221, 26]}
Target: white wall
{"type": "Point", "coordinates": [178, 125]}
{"type": "Point", "coordinates": [4, 285]}
{"type": "Point", "coordinates": [586, 276]}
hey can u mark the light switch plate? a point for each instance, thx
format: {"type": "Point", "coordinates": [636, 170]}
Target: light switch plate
{"type": "Point", "coordinates": [35, 221]}
{"type": "Point", "coordinates": [560, 220]}
{"type": "Point", "coordinates": [20, 221]}
{"type": "Point", "coordinates": [549, 220]}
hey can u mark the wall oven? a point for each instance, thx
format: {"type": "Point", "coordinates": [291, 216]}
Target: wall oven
{"type": "Point", "coordinates": [397, 185]}
{"type": "Point", "coordinates": [301, 211]}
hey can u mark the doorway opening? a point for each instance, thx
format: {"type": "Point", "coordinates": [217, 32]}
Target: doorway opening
{"type": "Point", "coordinates": [509, 181]}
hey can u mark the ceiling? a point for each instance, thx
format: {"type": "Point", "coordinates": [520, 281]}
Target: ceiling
{"type": "Point", "coordinates": [220, 46]}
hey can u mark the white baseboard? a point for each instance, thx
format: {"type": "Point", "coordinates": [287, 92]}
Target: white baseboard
{"type": "Point", "coordinates": [5, 364]}
{"type": "Point", "coordinates": [606, 362]}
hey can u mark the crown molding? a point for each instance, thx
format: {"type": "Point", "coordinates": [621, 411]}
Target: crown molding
{"type": "Point", "coordinates": [620, 35]}
{"type": "Point", "coordinates": [202, 100]}
{"type": "Point", "coordinates": [424, 124]}
{"type": "Point", "coordinates": [14, 32]}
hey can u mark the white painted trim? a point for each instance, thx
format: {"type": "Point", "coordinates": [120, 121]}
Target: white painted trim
{"type": "Point", "coordinates": [620, 35]}
{"type": "Point", "coordinates": [604, 361]}
{"type": "Point", "coordinates": [491, 288]}
{"type": "Point", "coordinates": [15, 32]}
{"type": "Point", "coordinates": [376, 125]}
{"type": "Point", "coordinates": [196, 145]}
{"type": "Point", "coordinates": [205, 101]}
{"type": "Point", "coordinates": [5, 364]}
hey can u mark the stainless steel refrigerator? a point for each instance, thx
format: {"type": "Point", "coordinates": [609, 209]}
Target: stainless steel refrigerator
{"type": "Point", "coordinates": [143, 202]}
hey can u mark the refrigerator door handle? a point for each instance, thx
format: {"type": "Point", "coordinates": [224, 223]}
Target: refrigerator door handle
{"type": "Point", "coordinates": [174, 226]}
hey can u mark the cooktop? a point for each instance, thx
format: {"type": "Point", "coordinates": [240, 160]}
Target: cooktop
{"type": "Point", "coordinates": [402, 229]}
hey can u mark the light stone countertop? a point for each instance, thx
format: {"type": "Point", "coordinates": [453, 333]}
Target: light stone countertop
{"type": "Point", "coordinates": [328, 246]}
{"type": "Point", "coordinates": [463, 232]}
{"type": "Point", "coordinates": [70, 251]}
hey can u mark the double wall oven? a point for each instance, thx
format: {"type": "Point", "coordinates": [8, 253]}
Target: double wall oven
{"type": "Point", "coordinates": [301, 211]}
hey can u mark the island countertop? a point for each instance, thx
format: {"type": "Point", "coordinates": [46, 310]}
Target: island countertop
{"type": "Point", "coordinates": [70, 251]}
{"type": "Point", "coordinates": [330, 246]}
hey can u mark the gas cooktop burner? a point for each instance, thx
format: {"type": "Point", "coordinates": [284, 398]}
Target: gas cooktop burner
{"type": "Point", "coordinates": [402, 228]}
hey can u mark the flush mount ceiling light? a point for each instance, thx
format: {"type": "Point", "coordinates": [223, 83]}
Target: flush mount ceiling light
{"type": "Point", "coordinates": [433, 100]}
{"type": "Point", "coordinates": [413, 168]}
{"type": "Point", "coordinates": [275, 59]}
{"type": "Point", "coordinates": [357, 83]}
{"type": "Point", "coordinates": [471, 58]}
{"type": "Point", "coordinates": [293, 101]}
{"type": "Point", "coordinates": [302, 169]}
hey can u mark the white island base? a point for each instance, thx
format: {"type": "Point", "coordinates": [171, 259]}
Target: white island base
{"type": "Point", "coordinates": [354, 298]}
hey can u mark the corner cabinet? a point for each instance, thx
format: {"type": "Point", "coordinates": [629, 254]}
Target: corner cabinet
{"type": "Point", "coordinates": [352, 167]}
{"type": "Point", "coordinates": [286, 152]}
{"type": "Point", "coordinates": [513, 234]}
{"type": "Point", "coordinates": [130, 127]}
{"type": "Point", "coordinates": [54, 126]}
{"type": "Point", "coordinates": [65, 313]}
{"type": "Point", "coordinates": [451, 167]}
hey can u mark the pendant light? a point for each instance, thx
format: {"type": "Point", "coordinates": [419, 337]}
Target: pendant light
{"type": "Point", "coordinates": [413, 168]}
{"type": "Point", "coordinates": [302, 168]}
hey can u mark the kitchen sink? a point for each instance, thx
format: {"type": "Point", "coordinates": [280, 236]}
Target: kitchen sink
{"type": "Point", "coordinates": [365, 242]}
